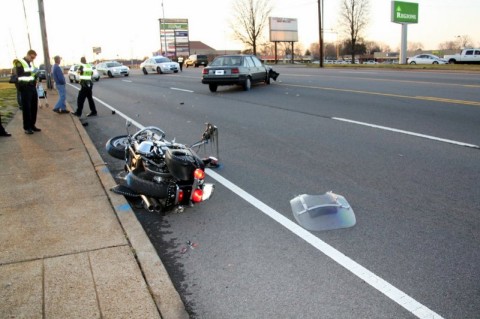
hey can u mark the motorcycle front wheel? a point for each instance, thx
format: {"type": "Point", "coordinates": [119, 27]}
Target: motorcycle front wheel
{"type": "Point", "coordinates": [116, 146]}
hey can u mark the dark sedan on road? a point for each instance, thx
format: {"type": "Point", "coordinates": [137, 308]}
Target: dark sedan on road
{"type": "Point", "coordinates": [236, 70]}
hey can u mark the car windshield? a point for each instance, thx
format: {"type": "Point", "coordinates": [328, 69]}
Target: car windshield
{"type": "Point", "coordinates": [227, 60]}
{"type": "Point", "coordinates": [162, 60]}
{"type": "Point", "coordinates": [113, 64]}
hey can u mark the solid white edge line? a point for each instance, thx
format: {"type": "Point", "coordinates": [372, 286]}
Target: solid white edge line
{"type": "Point", "coordinates": [395, 294]}
{"type": "Point", "coordinates": [398, 296]}
{"type": "Point", "coordinates": [406, 132]}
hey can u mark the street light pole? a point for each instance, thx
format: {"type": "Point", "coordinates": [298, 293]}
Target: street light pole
{"type": "Point", "coordinates": [164, 29]}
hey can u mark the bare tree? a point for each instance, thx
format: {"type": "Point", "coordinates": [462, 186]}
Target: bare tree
{"type": "Point", "coordinates": [464, 42]}
{"type": "Point", "coordinates": [415, 46]}
{"type": "Point", "coordinates": [354, 19]}
{"type": "Point", "coordinates": [250, 20]}
{"type": "Point", "coordinates": [448, 45]}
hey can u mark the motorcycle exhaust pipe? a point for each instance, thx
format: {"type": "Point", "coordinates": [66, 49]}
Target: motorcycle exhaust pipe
{"type": "Point", "coordinates": [150, 204]}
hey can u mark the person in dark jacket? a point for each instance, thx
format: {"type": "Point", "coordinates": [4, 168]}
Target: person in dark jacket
{"type": "Point", "coordinates": [60, 83]}
{"type": "Point", "coordinates": [2, 129]}
{"type": "Point", "coordinates": [85, 72]}
{"type": "Point", "coordinates": [27, 85]}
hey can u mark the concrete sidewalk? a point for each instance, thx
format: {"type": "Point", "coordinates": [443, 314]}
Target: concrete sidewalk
{"type": "Point", "coordinates": [70, 248]}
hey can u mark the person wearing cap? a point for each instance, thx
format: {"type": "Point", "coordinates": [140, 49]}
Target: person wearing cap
{"type": "Point", "coordinates": [85, 72]}
{"type": "Point", "coordinates": [27, 85]}
{"type": "Point", "coordinates": [60, 83]}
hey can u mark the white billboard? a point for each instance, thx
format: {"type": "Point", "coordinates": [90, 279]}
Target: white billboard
{"type": "Point", "coordinates": [283, 30]}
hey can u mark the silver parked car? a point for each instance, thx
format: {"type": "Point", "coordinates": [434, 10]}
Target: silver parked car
{"type": "Point", "coordinates": [74, 77]}
{"type": "Point", "coordinates": [112, 68]}
{"type": "Point", "coordinates": [159, 64]}
{"type": "Point", "coordinates": [426, 59]}
{"type": "Point", "coordinates": [236, 70]}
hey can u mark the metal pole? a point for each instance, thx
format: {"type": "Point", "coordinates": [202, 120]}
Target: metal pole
{"type": "Point", "coordinates": [26, 22]}
{"type": "Point", "coordinates": [164, 29]}
{"type": "Point", "coordinates": [46, 54]}
{"type": "Point", "coordinates": [320, 32]}
{"type": "Point", "coordinates": [403, 51]}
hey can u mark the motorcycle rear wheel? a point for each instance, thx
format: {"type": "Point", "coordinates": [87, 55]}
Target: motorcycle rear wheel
{"type": "Point", "coordinates": [116, 146]}
{"type": "Point", "coordinates": [138, 182]}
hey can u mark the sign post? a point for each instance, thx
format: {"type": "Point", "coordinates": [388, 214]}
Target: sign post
{"type": "Point", "coordinates": [404, 13]}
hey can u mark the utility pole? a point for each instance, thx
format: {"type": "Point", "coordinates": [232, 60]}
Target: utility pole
{"type": "Point", "coordinates": [320, 31]}
{"type": "Point", "coordinates": [46, 54]}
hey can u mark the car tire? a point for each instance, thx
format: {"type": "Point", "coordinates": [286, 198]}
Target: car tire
{"type": "Point", "coordinates": [413, 62]}
{"type": "Point", "coordinates": [435, 62]}
{"type": "Point", "coordinates": [145, 71]}
{"type": "Point", "coordinates": [97, 79]}
{"type": "Point", "coordinates": [159, 70]}
{"type": "Point", "coordinates": [267, 79]}
{"type": "Point", "coordinates": [247, 85]}
{"type": "Point", "coordinates": [127, 74]}
{"type": "Point", "coordinates": [213, 88]}
{"type": "Point", "coordinates": [71, 80]}
{"type": "Point", "coordinates": [110, 75]}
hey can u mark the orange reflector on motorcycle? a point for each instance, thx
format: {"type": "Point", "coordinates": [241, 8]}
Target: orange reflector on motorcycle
{"type": "Point", "coordinates": [197, 195]}
{"type": "Point", "coordinates": [199, 174]}
{"type": "Point", "coordinates": [180, 195]}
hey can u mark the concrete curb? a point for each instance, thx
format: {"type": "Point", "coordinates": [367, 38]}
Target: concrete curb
{"type": "Point", "coordinates": [163, 292]}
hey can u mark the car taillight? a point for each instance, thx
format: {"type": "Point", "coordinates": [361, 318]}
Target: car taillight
{"type": "Point", "coordinates": [204, 71]}
{"type": "Point", "coordinates": [199, 174]}
{"type": "Point", "coordinates": [235, 71]}
{"type": "Point", "coordinates": [197, 195]}
{"type": "Point", "coordinates": [180, 196]}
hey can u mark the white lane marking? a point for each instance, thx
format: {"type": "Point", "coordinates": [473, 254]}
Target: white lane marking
{"type": "Point", "coordinates": [407, 132]}
{"type": "Point", "coordinates": [183, 90]}
{"type": "Point", "coordinates": [395, 294]}
{"type": "Point", "coordinates": [129, 81]}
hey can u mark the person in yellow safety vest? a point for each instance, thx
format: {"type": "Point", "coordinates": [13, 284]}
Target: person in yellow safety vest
{"type": "Point", "coordinates": [85, 73]}
{"type": "Point", "coordinates": [27, 85]}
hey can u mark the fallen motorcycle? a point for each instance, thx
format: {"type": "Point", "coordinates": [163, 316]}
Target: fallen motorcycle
{"type": "Point", "coordinates": [165, 175]}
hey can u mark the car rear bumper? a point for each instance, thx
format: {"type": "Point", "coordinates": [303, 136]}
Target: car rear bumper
{"type": "Point", "coordinates": [237, 80]}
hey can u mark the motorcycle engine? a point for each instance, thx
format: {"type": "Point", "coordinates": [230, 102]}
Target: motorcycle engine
{"type": "Point", "coordinates": [145, 148]}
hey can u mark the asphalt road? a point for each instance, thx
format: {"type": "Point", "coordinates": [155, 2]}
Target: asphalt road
{"type": "Point", "coordinates": [401, 146]}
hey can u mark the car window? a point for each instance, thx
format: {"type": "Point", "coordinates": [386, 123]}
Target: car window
{"type": "Point", "coordinates": [469, 52]}
{"type": "Point", "coordinates": [217, 62]}
{"type": "Point", "coordinates": [477, 52]}
{"type": "Point", "coordinates": [202, 56]}
{"type": "Point", "coordinates": [256, 61]}
{"type": "Point", "coordinates": [248, 62]}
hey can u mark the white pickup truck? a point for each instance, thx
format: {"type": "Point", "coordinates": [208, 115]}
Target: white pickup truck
{"type": "Point", "coordinates": [467, 56]}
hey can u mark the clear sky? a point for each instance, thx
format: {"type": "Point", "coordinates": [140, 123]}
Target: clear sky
{"type": "Point", "coordinates": [130, 29]}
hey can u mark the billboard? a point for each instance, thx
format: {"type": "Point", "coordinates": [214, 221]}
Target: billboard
{"type": "Point", "coordinates": [174, 37]}
{"type": "Point", "coordinates": [283, 30]}
{"type": "Point", "coordinates": [404, 12]}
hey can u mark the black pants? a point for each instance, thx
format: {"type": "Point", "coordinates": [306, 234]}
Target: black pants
{"type": "Point", "coordinates": [29, 98]}
{"type": "Point", "coordinates": [85, 93]}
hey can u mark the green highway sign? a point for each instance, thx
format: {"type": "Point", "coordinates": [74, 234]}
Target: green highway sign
{"type": "Point", "coordinates": [404, 12]}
